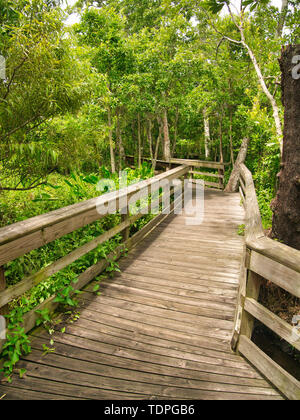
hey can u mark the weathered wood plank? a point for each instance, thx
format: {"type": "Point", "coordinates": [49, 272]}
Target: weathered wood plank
{"type": "Point", "coordinates": [117, 357]}
{"type": "Point", "coordinates": [161, 307]}
{"type": "Point", "coordinates": [60, 374]}
{"type": "Point", "coordinates": [254, 228]}
{"type": "Point", "coordinates": [288, 385]}
{"type": "Point", "coordinates": [159, 350]}
{"type": "Point", "coordinates": [272, 321]}
{"type": "Point", "coordinates": [98, 372]}
{"type": "Point", "coordinates": [209, 174]}
{"type": "Point", "coordinates": [208, 183]}
{"type": "Point", "coordinates": [281, 253]}
{"type": "Point", "coordinates": [252, 291]}
{"type": "Point", "coordinates": [282, 276]}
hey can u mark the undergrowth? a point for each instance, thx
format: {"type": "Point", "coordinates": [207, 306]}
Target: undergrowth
{"type": "Point", "coordinates": [59, 192]}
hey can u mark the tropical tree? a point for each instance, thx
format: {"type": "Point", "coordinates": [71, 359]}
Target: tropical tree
{"type": "Point", "coordinates": [43, 79]}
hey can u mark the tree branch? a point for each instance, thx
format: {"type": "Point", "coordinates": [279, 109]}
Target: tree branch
{"type": "Point", "coordinates": [12, 78]}
{"type": "Point", "coordinates": [20, 127]}
{"type": "Point", "coordinates": [22, 189]}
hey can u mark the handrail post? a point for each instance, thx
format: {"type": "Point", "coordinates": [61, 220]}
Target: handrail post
{"type": "Point", "coordinates": [221, 172]}
{"type": "Point", "coordinates": [3, 310]}
{"type": "Point", "coordinates": [124, 218]}
{"type": "Point", "coordinates": [253, 286]}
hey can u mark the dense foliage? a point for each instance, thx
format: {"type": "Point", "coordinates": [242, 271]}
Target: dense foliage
{"type": "Point", "coordinates": [158, 78]}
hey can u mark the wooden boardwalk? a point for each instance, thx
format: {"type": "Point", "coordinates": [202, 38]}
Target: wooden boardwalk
{"type": "Point", "coordinates": [161, 329]}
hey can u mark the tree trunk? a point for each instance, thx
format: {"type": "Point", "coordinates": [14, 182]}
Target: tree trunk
{"type": "Point", "coordinates": [139, 142]}
{"type": "Point", "coordinates": [149, 135]}
{"type": "Point", "coordinates": [221, 139]}
{"type": "Point", "coordinates": [206, 133]}
{"type": "Point", "coordinates": [175, 132]}
{"type": "Point", "coordinates": [111, 143]}
{"type": "Point", "coordinates": [265, 89]}
{"type": "Point", "coordinates": [166, 148]}
{"type": "Point", "coordinates": [283, 13]}
{"type": "Point", "coordinates": [120, 140]}
{"type": "Point", "coordinates": [154, 160]}
{"type": "Point", "coordinates": [233, 183]}
{"type": "Point", "coordinates": [230, 139]}
{"type": "Point", "coordinates": [286, 206]}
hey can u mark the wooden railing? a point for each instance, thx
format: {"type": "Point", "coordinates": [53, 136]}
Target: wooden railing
{"type": "Point", "coordinates": [22, 237]}
{"type": "Point", "coordinates": [264, 259]}
{"type": "Point", "coordinates": [216, 178]}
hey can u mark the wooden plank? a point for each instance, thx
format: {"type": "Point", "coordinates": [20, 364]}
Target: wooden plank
{"type": "Point", "coordinates": [3, 311]}
{"type": "Point", "coordinates": [252, 291]}
{"type": "Point", "coordinates": [242, 185]}
{"type": "Point", "coordinates": [50, 388]}
{"type": "Point", "coordinates": [2, 287]}
{"type": "Point", "coordinates": [254, 228]}
{"type": "Point", "coordinates": [157, 315]}
{"type": "Point", "coordinates": [170, 352]}
{"type": "Point", "coordinates": [10, 393]}
{"type": "Point", "coordinates": [161, 307]}
{"type": "Point", "coordinates": [186, 266]}
{"type": "Point", "coordinates": [203, 279]}
{"type": "Point", "coordinates": [189, 162]}
{"type": "Point", "coordinates": [221, 178]}
{"type": "Point", "coordinates": [113, 356]}
{"type": "Point", "coordinates": [207, 183]}
{"type": "Point", "coordinates": [277, 251]}
{"type": "Point", "coordinates": [198, 163]}
{"type": "Point", "coordinates": [177, 287]}
{"type": "Point", "coordinates": [272, 321]}
{"type": "Point", "coordinates": [145, 327]}
{"type": "Point", "coordinates": [206, 174]}
{"type": "Point", "coordinates": [126, 317]}
{"type": "Point", "coordinates": [288, 385]}
{"type": "Point", "coordinates": [282, 276]}
{"type": "Point", "coordinates": [144, 359]}
{"type": "Point", "coordinates": [240, 304]}
{"type": "Point", "coordinates": [218, 276]}
{"type": "Point", "coordinates": [153, 391]}
{"type": "Point", "coordinates": [242, 197]}
{"type": "Point", "coordinates": [97, 372]}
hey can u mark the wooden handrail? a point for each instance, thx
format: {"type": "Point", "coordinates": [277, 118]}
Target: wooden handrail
{"type": "Point", "coordinates": [191, 162]}
{"type": "Point", "coordinates": [254, 227]}
{"type": "Point", "coordinates": [22, 237]}
{"type": "Point", "coordinates": [196, 164]}
{"type": "Point", "coordinates": [278, 263]}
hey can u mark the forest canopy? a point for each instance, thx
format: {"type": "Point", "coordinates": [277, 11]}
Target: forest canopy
{"type": "Point", "coordinates": [154, 78]}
